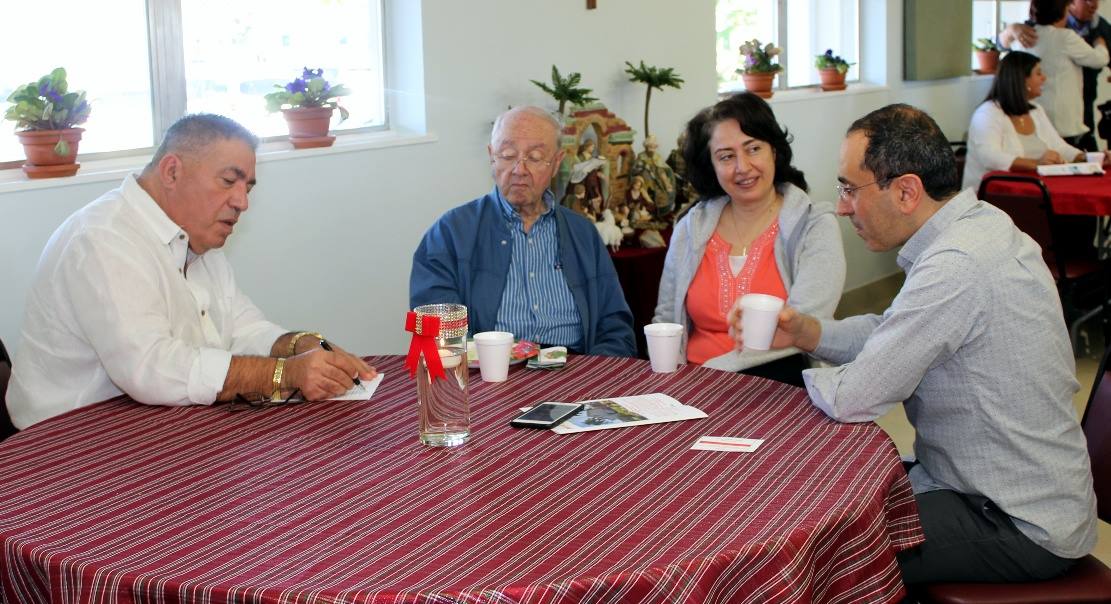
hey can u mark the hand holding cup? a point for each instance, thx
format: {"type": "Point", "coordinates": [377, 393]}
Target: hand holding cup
{"type": "Point", "coordinates": [791, 328]}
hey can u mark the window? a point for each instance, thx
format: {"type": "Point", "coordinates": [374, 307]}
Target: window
{"type": "Point", "coordinates": [801, 28]}
{"type": "Point", "coordinates": [989, 17]}
{"type": "Point", "coordinates": [156, 60]}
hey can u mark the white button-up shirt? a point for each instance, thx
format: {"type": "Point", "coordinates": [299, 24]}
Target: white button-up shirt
{"type": "Point", "coordinates": [113, 309]}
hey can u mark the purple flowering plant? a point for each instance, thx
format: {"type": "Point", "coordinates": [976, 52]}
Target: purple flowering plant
{"type": "Point", "coordinates": [309, 90]}
{"type": "Point", "coordinates": [48, 104]}
{"type": "Point", "coordinates": [828, 60]}
{"type": "Point", "coordinates": [758, 58]}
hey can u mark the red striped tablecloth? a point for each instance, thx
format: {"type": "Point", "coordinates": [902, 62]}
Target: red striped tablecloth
{"type": "Point", "coordinates": [339, 502]}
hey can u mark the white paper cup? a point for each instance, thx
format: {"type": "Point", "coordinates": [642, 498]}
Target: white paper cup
{"type": "Point", "coordinates": [1095, 157]}
{"type": "Point", "coordinates": [663, 345]}
{"type": "Point", "coordinates": [494, 348]}
{"type": "Point", "coordinates": [760, 317]}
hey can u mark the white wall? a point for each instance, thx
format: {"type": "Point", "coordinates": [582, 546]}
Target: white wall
{"type": "Point", "coordinates": [328, 240]}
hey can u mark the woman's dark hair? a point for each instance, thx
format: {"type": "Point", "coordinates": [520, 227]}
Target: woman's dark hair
{"type": "Point", "coordinates": [1009, 87]}
{"type": "Point", "coordinates": [1047, 12]}
{"type": "Point", "coordinates": [756, 119]}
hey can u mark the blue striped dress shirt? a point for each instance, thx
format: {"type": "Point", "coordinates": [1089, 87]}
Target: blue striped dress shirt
{"type": "Point", "coordinates": [537, 305]}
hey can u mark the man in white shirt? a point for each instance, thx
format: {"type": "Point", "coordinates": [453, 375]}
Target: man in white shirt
{"type": "Point", "coordinates": [133, 295]}
{"type": "Point", "coordinates": [976, 349]}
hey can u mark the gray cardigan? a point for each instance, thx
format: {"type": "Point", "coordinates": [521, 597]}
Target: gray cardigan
{"type": "Point", "coordinates": [808, 254]}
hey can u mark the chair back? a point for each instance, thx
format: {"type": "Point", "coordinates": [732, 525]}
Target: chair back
{"type": "Point", "coordinates": [6, 427]}
{"type": "Point", "coordinates": [960, 152]}
{"type": "Point", "coordinates": [1063, 239]}
{"type": "Point", "coordinates": [1097, 429]}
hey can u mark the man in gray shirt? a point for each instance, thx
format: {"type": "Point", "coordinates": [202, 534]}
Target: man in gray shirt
{"type": "Point", "coordinates": [976, 348]}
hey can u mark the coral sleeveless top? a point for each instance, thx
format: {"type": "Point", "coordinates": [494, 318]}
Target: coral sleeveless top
{"type": "Point", "coordinates": [715, 288]}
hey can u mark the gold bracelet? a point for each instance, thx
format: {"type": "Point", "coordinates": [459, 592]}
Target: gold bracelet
{"type": "Point", "coordinates": [279, 367]}
{"type": "Point", "coordinates": [296, 337]}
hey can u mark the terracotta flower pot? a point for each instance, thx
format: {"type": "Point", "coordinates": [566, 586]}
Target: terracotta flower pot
{"type": "Point", "coordinates": [308, 126]}
{"type": "Point", "coordinates": [832, 79]}
{"type": "Point", "coordinates": [988, 60]}
{"type": "Point", "coordinates": [759, 84]}
{"type": "Point", "coordinates": [42, 161]}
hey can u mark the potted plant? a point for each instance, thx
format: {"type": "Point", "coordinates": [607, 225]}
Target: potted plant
{"type": "Point", "coordinates": [832, 70]}
{"type": "Point", "coordinates": [987, 55]}
{"type": "Point", "coordinates": [45, 115]}
{"type": "Point", "coordinates": [758, 70]}
{"type": "Point", "coordinates": [307, 104]}
{"type": "Point", "coordinates": [566, 90]}
{"type": "Point", "coordinates": [654, 77]}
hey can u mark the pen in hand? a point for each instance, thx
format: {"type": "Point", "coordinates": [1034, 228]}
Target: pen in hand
{"type": "Point", "coordinates": [326, 346]}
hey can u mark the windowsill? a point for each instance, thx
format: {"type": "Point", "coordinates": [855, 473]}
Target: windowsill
{"type": "Point", "coordinates": [116, 168]}
{"type": "Point", "coordinates": [811, 93]}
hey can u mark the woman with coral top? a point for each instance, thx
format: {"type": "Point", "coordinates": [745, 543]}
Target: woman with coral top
{"type": "Point", "coordinates": [754, 230]}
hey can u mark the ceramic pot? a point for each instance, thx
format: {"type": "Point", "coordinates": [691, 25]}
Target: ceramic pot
{"type": "Point", "coordinates": [988, 60]}
{"type": "Point", "coordinates": [42, 161]}
{"type": "Point", "coordinates": [832, 79]}
{"type": "Point", "coordinates": [759, 84]}
{"type": "Point", "coordinates": [308, 126]}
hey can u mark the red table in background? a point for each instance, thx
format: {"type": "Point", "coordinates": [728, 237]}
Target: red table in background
{"type": "Point", "coordinates": [339, 502]}
{"type": "Point", "coordinates": [1077, 195]}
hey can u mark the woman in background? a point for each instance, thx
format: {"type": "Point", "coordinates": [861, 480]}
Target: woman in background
{"type": "Point", "coordinates": [754, 230]}
{"type": "Point", "coordinates": [1063, 52]}
{"type": "Point", "coordinates": [1008, 131]}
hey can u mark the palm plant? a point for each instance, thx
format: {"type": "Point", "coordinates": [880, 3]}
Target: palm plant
{"type": "Point", "coordinates": [566, 90]}
{"type": "Point", "coordinates": [654, 77]}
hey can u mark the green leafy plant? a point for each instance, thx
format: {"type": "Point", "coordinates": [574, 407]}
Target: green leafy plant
{"type": "Point", "coordinates": [828, 60]}
{"type": "Point", "coordinates": [985, 45]}
{"type": "Point", "coordinates": [47, 104]}
{"type": "Point", "coordinates": [566, 90]}
{"type": "Point", "coordinates": [309, 90]}
{"type": "Point", "coordinates": [654, 77]}
{"type": "Point", "coordinates": [758, 58]}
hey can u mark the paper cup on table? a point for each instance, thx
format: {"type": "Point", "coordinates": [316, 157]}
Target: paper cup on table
{"type": "Point", "coordinates": [1094, 157]}
{"type": "Point", "coordinates": [760, 317]}
{"type": "Point", "coordinates": [494, 348]}
{"type": "Point", "coordinates": [663, 345]}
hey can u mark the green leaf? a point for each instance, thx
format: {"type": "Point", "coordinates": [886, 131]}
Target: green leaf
{"type": "Point", "coordinates": [338, 90]}
{"type": "Point", "coordinates": [62, 148]}
{"type": "Point", "coordinates": [58, 80]}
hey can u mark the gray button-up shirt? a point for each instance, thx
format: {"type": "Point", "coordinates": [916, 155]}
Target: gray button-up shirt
{"type": "Point", "coordinates": [976, 347]}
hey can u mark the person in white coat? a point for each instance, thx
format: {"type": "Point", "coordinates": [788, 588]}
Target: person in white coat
{"type": "Point", "coordinates": [1008, 131]}
{"type": "Point", "coordinates": [1063, 53]}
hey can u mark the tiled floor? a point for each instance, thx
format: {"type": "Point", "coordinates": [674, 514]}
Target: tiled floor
{"type": "Point", "coordinates": [877, 298]}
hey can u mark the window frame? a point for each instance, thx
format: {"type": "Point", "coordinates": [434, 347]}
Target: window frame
{"type": "Point", "coordinates": [781, 35]}
{"type": "Point", "coordinates": [169, 95]}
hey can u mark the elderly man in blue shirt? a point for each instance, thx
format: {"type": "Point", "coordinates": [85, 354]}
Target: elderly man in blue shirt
{"type": "Point", "coordinates": [521, 262]}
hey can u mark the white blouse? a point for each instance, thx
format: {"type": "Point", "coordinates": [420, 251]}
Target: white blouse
{"type": "Point", "coordinates": [994, 144]}
{"type": "Point", "coordinates": [1063, 52]}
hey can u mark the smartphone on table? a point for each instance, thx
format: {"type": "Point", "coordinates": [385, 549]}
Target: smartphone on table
{"type": "Point", "coordinates": [546, 415]}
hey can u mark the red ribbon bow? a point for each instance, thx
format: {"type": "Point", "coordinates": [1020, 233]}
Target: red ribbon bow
{"type": "Point", "coordinates": [425, 330]}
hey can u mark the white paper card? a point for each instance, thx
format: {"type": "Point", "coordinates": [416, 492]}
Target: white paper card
{"type": "Point", "coordinates": [727, 443]}
{"type": "Point", "coordinates": [363, 391]}
{"type": "Point", "coordinates": [1077, 169]}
